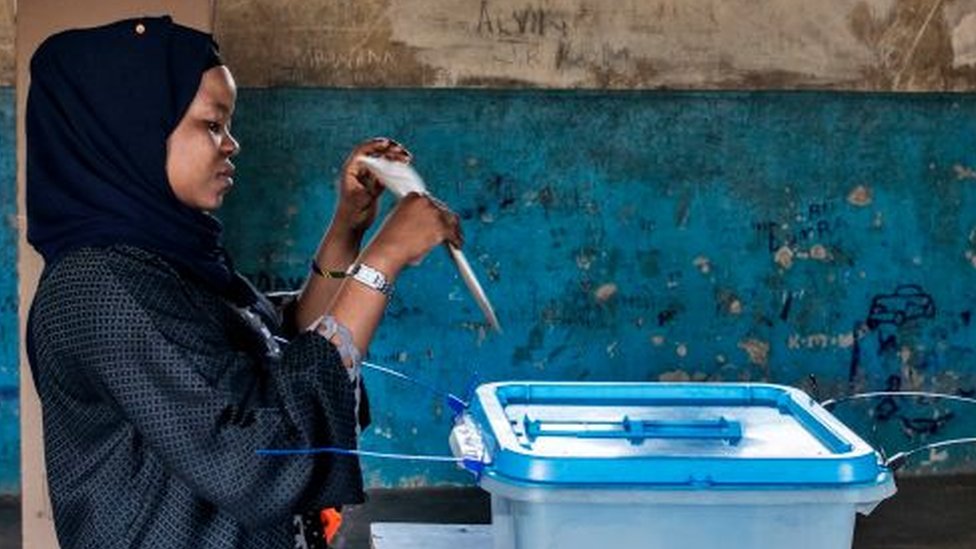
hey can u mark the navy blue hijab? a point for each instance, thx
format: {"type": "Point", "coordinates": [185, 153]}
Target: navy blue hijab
{"type": "Point", "coordinates": [101, 105]}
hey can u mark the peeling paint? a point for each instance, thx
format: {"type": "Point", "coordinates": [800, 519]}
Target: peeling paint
{"type": "Point", "coordinates": [678, 376]}
{"type": "Point", "coordinates": [605, 292]}
{"type": "Point", "coordinates": [860, 196]}
{"type": "Point", "coordinates": [784, 257]}
{"type": "Point", "coordinates": [964, 172]}
{"type": "Point", "coordinates": [703, 264]}
{"type": "Point", "coordinates": [728, 301]}
{"type": "Point", "coordinates": [819, 252]}
{"type": "Point", "coordinates": [681, 350]}
{"type": "Point", "coordinates": [757, 350]}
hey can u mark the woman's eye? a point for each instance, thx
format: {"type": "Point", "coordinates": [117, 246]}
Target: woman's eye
{"type": "Point", "coordinates": [213, 126]}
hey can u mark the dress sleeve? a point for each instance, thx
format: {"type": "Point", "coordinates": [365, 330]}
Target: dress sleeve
{"type": "Point", "coordinates": [203, 407]}
{"type": "Point", "coordinates": [283, 304]}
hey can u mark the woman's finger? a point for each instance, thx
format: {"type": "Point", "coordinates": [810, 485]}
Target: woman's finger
{"type": "Point", "coordinates": [453, 224]}
{"type": "Point", "coordinates": [437, 202]}
{"type": "Point", "coordinates": [383, 147]}
{"type": "Point", "coordinates": [398, 156]}
{"type": "Point", "coordinates": [373, 147]}
{"type": "Point", "coordinates": [397, 153]}
{"type": "Point", "coordinates": [368, 180]}
{"type": "Point", "coordinates": [456, 237]}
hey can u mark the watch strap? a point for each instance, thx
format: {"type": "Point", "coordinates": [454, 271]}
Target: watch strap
{"type": "Point", "coordinates": [371, 278]}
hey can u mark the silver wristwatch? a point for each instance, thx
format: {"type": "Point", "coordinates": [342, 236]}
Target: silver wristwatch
{"type": "Point", "coordinates": [364, 274]}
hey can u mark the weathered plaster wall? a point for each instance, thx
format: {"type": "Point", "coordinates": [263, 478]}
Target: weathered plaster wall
{"type": "Point", "coordinates": [698, 44]}
{"type": "Point", "coordinates": [7, 59]}
{"type": "Point", "coordinates": [815, 239]}
{"type": "Point", "coordinates": [648, 44]}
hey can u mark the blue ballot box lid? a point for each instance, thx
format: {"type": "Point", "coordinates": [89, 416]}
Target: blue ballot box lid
{"type": "Point", "coordinates": [722, 435]}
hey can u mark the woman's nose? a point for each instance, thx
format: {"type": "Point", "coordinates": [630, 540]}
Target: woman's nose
{"type": "Point", "coordinates": [230, 146]}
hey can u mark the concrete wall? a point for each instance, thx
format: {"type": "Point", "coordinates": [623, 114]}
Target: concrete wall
{"type": "Point", "coordinates": [623, 234]}
{"type": "Point", "coordinates": [821, 240]}
{"type": "Point", "coordinates": [698, 44]}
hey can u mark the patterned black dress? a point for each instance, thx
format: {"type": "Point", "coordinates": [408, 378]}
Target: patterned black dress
{"type": "Point", "coordinates": [156, 395]}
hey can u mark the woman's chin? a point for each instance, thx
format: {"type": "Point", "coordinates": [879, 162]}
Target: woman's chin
{"type": "Point", "coordinates": [209, 204]}
{"type": "Point", "coordinates": [216, 203]}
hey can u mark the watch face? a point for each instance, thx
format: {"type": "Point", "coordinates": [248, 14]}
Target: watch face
{"type": "Point", "coordinates": [371, 277]}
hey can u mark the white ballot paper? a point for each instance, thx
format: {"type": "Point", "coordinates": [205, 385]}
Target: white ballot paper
{"type": "Point", "coordinates": [401, 179]}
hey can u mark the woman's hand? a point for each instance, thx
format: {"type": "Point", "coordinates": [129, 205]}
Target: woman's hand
{"type": "Point", "coordinates": [410, 231]}
{"type": "Point", "coordinates": [358, 188]}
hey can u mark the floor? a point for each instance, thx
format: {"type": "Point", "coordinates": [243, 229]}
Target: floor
{"type": "Point", "coordinates": [927, 513]}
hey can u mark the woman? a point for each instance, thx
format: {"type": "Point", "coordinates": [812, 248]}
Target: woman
{"type": "Point", "coordinates": [160, 369]}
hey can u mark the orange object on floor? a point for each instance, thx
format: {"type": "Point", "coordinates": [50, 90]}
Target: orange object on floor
{"type": "Point", "coordinates": [331, 521]}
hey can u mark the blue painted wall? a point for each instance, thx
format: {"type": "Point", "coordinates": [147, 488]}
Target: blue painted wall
{"type": "Point", "coordinates": [9, 351]}
{"type": "Point", "coordinates": [823, 240]}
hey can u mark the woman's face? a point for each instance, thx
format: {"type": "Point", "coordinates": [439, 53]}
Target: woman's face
{"type": "Point", "coordinates": [199, 150]}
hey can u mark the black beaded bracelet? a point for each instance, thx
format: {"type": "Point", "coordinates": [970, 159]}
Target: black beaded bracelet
{"type": "Point", "coordinates": [326, 274]}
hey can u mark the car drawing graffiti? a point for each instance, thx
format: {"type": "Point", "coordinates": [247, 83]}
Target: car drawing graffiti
{"type": "Point", "coordinates": [908, 302]}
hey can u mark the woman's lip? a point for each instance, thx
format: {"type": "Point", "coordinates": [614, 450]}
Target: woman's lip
{"type": "Point", "coordinates": [227, 182]}
{"type": "Point", "coordinates": [227, 170]}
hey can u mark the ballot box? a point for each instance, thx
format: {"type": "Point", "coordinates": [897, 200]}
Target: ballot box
{"type": "Point", "coordinates": [666, 466]}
